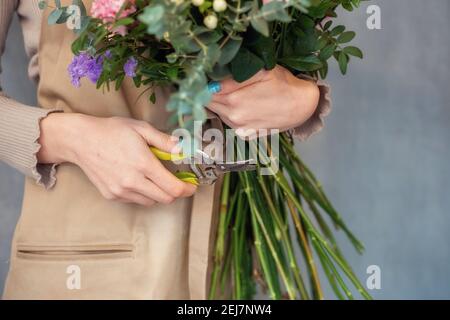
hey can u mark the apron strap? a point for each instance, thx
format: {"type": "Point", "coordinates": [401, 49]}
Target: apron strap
{"type": "Point", "coordinates": [203, 230]}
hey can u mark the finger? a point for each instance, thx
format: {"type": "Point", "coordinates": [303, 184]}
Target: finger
{"type": "Point", "coordinates": [159, 139]}
{"type": "Point", "coordinates": [151, 191]}
{"type": "Point", "coordinates": [98, 183]}
{"type": "Point", "coordinates": [137, 198]}
{"type": "Point", "coordinates": [218, 108]}
{"type": "Point", "coordinates": [190, 189]}
{"type": "Point", "coordinates": [230, 85]}
{"type": "Point", "coordinates": [165, 180]}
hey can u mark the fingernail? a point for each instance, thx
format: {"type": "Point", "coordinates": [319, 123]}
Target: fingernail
{"type": "Point", "coordinates": [214, 87]}
{"type": "Point", "coordinates": [176, 148]}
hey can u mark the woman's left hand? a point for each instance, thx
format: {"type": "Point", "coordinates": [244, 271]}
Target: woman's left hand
{"type": "Point", "coordinates": [273, 99]}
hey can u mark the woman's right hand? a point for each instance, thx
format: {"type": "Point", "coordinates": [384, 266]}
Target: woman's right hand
{"type": "Point", "coordinates": [114, 154]}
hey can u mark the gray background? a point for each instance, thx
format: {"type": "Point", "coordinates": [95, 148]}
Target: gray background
{"type": "Point", "coordinates": [383, 157]}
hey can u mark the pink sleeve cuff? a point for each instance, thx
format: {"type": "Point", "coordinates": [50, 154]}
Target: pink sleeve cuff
{"type": "Point", "coordinates": [19, 140]}
{"type": "Point", "coordinates": [316, 122]}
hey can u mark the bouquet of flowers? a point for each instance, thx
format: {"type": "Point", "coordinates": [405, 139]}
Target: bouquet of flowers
{"type": "Point", "coordinates": [186, 44]}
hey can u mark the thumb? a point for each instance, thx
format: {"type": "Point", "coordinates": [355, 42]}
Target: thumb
{"type": "Point", "coordinates": [160, 140]}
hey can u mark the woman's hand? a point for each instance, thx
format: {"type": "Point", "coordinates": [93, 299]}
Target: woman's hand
{"type": "Point", "coordinates": [273, 99]}
{"type": "Point", "coordinates": [114, 154]}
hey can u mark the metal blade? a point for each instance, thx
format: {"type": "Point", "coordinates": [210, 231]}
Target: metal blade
{"type": "Point", "coordinates": [238, 166]}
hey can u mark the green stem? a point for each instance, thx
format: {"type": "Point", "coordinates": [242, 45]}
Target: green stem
{"type": "Point", "coordinates": [332, 268]}
{"type": "Point", "coordinates": [248, 189]}
{"type": "Point", "coordinates": [281, 180]}
{"type": "Point", "coordinates": [307, 251]}
{"type": "Point", "coordinates": [221, 235]}
{"type": "Point", "coordinates": [287, 241]}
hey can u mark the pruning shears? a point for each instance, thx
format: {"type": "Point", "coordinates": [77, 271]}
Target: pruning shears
{"type": "Point", "coordinates": [204, 170]}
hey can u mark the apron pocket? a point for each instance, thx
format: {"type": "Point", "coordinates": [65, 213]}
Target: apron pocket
{"type": "Point", "coordinates": [74, 252]}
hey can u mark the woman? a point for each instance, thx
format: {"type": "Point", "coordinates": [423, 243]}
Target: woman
{"type": "Point", "coordinates": [117, 224]}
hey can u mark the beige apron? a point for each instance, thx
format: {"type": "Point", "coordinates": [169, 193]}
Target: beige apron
{"type": "Point", "coordinates": [71, 243]}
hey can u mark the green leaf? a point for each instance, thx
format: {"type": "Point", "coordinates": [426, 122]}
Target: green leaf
{"type": "Point", "coordinates": [205, 6]}
{"type": "Point", "coordinates": [210, 37]}
{"type": "Point", "coordinates": [324, 70]}
{"type": "Point", "coordinates": [275, 10]}
{"type": "Point", "coordinates": [119, 81]}
{"type": "Point", "coordinates": [327, 52]}
{"type": "Point", "coordinates": [327, 25]}
{"type": "Point", "coordinates": [229, 51]}
{"type": "Point", "coordinates": [153, 17]}
{"type": "Point", "coordinates": [346, 37]}
{"type": "Point", "coordinates": [219, 72]}
{"type": "Point", "coordinates": [343, 62]}
{"type": "Point", "coordinates": [260, 25]}
{"type": "Point", "coordinates": [81, 5]}
{"type": "Point", "coordinates": [123, 22]}
{"type": "Point", "coordinates": [199, 114]}
{"type": "Point", "coordinates": [63, 18]}
{"type": "Point", "coordinates": [354, 51]}
{"type": "Point", "coordinates": [264, 47]}
{"type": "Point", "coordinates": [305, 64]}
{"type": "Point", "coordinates": [54, 16]}
{"type": "Point", "coordinates": [137, 81]}
{"type": "Point", "coordinates": [152, 98]}
{"type": "Point", "coordinates": [172, 73]}
{"type": "Point", "coordinates": [85, 20]}
{"type": "Point", "coordinates": [245, 65]}
{"type": "Point", "coordinates": [212, 56]}
{"type": "Point", "coordinates": [337, 30]}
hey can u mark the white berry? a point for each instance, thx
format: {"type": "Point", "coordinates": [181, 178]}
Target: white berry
{"type": "Point", "coordinates": [198, 3]}
{"type": "Point", "coordinates": [220, 5]}
{"type": "Point", "coordinates": [211, 21]}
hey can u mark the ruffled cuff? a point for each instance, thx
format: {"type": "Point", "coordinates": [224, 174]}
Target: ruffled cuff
{"type": "Point", "coordinates": [19, 140]}
{"type": "Point", "coordinates": [316, 122]}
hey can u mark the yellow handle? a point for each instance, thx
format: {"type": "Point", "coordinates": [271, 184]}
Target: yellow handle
{"type": "Point", "coordinates": [193, 181]}
{"type": "Point", "coordinates": [187, 177]}
{"type": "Point", "coordinates": [184, 176]}
{"type": "Point", "coordinates": [165, 156]}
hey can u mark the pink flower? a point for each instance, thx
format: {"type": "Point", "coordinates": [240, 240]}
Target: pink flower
{"type": "Point", "coordinates": [107, 10]}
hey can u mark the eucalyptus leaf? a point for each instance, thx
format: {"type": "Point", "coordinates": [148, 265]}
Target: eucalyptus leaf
{"type": "Point", "coordinates": [54, 16]}
{"type": "Point", "coordinates": [229, 51]}
{"type": "Point", "coordinates": [80, 5]}
{"type": "Point", "coordinates": [219, 72]}
{"type": "Point", "coordinates": [275, 10]}
{"type": "Point", "coordinates": [260, 25]}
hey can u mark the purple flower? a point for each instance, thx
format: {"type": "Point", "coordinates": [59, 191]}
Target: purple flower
{"type": "Point", "coordinates": [84, 65]}
{"type": "Point", "coordinates": [108, 54]}
{"type": "Point", "coordinates": [94, 69]}
{"type": "Point", "coordinates": [130, 67]}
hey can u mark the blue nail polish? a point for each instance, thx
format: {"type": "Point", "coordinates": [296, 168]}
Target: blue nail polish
{"type": "Point", "coordinates": [214, 87]}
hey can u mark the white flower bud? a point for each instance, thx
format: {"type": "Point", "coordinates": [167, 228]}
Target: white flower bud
{"type": "Point", "coordinates": [166, 36]}
{"type": "Point", "coordinates": [198, 3]}
{"type": "Point", "coordinates": [211, 21]}
{"type": "Point", "coordinates": [220, 5]}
